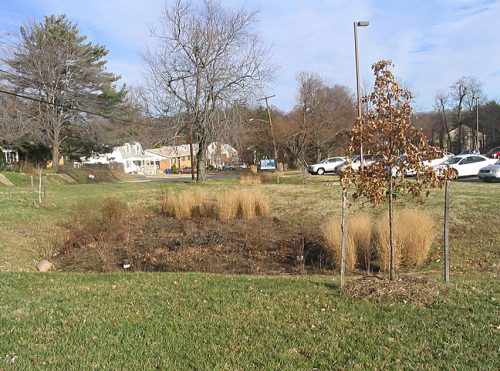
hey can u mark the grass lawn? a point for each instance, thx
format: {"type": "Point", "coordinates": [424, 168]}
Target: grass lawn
{"type": "Point", "coordinates": [204, 321]}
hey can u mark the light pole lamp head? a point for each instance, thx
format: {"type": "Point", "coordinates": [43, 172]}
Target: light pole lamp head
{"type": "Point", "coordinates": [363, 24]}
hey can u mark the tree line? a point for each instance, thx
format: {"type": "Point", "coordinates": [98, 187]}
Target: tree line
{"type": "Point", "coordinates": [206, 67]}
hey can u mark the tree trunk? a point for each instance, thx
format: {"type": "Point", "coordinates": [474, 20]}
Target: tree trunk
{"type": "Point", "coordinates": [201, 159]}
{"type": "Point", "coordinates": [344, 237]}
{"type": "Point", "coordinates": [55, 149]}
{"type": "Point", "coordinates": [392, 274]}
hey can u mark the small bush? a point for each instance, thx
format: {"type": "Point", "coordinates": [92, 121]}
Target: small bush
{"type": "Point", "coordinates": [91, 224]}
{"type": "Point", "coordinates": [253, 169]}
{"type": "Point", "coordinates": [333, 237]}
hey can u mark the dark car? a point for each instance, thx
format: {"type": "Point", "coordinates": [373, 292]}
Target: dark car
{"type": "Point", "coordinates": [493, 153]}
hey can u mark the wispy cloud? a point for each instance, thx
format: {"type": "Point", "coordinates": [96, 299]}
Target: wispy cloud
{"type": "Point", "coordinates": [432, 43]}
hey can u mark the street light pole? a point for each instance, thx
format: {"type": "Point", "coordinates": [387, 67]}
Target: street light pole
{"type": "Point", "coordinates": [477, 123]}
{"type": "Point", "coordinates": [358, 84]}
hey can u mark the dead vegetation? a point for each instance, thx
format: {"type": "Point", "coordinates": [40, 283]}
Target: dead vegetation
{"type": "Point", "coordinates": [225, 205]}
{"type": "Point", "coordinates": [368, 240]}
{"type": "Point", "coordinates": [418, 291]}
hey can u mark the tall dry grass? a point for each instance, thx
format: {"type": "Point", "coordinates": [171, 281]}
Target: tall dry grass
{"type": "Point", "coordinates": [333, 237]}
{"type": "Point", "coordinates": [413, 237]}
{"type": "Point", "coordinates": [359, 227]}
{"type": "Point", "coordinates": [226, 205]}
{"type": "Point", "coordinates": [250, 179]}
{"type": "Point", "coordinates": [368, 240]}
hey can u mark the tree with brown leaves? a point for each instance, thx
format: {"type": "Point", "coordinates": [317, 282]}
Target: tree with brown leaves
{"type": "Point", "coordinates": [398, 147]}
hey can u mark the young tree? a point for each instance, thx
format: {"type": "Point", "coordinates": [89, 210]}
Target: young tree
{"type": "Point", "coordinates": [388, 134]}
{"type": "Point", "coordinates": [207, 59]}
{"type": "Point", "coordinates": [53, 63]}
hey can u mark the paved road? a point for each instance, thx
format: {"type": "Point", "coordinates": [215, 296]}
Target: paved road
{"type": "Point", "coordinates": [183, 178]}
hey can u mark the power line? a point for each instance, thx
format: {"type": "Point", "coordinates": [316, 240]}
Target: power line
{"type": "Point", "coordinates": [68, 107]}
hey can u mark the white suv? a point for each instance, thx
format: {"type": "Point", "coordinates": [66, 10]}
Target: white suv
{"type": "Point", "coordinates": [328, 165]}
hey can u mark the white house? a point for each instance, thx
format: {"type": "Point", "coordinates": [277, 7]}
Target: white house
{"type": "Point", "coordinates": [131, 156]}
{"type": "Point", "coordinates": [11, 156]}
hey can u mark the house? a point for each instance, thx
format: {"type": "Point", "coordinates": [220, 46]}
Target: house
{"type": "Point", "coordinates": [179, 156]}
{"type": "Point", "coordinates": [11, 156]}
{"type": "Point", "coordinates": [131, 156]}
{"type": "Point", "coordinates": [218, 155]}
{"type": "Point", "coordinates": [462, 137]}
{"type": "Point", "coordinates": [134, 159]}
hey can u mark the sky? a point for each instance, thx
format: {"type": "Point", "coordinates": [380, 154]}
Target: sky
{"type": "Point", "coordinates": [431, 43]}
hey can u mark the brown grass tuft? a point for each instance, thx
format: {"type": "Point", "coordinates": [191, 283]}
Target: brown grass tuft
{"type": "Point", "coordinates": [250, 179]}
{"type": "Point", "coordinates": [416, 231]}
{"type": "Point", "coordinates": [413, 236]}
{"type": "Point", "coordinates": [227, 205]}
{"type": "Point", "coordinates": [359, 227]}
{"type": "Point", "coordinates": [333, 237]}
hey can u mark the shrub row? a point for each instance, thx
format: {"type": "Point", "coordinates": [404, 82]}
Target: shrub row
{"type": "Point", "coordinates": [368, 240]}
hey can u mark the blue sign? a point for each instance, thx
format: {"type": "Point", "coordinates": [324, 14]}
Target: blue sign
{"type": "Point", "coordinates": [269, 164]}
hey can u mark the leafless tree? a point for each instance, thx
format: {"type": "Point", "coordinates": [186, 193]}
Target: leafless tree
{"type": "Point", "coordinates": [440, 101]}
{"type": "Point", "coordinates": [205, 60]}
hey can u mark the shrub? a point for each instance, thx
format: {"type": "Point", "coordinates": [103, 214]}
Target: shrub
{"type": "Point", "coordinates": [91, 224]}
{"type": "Point", "coordinates": [333, 237]}
{"type": "Point", "coordinates": [253, 169]}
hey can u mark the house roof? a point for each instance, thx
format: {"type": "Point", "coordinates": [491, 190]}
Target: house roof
{"type": "Point", "coordinates": [171, 151]}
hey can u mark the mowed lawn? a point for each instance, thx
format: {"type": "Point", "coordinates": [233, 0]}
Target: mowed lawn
{"type": "Point", "coordinates": [204, 321]}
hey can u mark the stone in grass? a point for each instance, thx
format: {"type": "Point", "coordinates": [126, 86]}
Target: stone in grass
{"type": "Point", "coordinates": [43, 265]}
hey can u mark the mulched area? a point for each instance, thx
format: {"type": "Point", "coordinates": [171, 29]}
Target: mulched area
{"type": "Point", "coordinates": [419, 291]}
{"type": "Point", "coordinates": [160, 243]}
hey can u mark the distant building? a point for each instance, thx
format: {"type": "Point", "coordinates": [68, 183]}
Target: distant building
{"type": "Point", "coordinates": [134, 159]}
{"type": "Point", "coordinates": [130, 156]}
{"type": "Point", "coordinates": [11, 156]}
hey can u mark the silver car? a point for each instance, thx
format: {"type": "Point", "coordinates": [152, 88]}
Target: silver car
{"type": "Point", "coordinates": [490, 173]}
{"type": "Point", "coordinates": [328, 165]}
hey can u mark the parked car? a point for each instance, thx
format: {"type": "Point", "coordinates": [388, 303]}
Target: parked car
{"type": "Point", "coordinates": [490, 173]}
{"type": "Point", "coordinates": [355, 162]}
{"type": "Point", "coordinates": [470, 151]}
{"type": "Point", "coordinates": [445, 155]}
{"type": "Point", "coordinates": [464, 165]}
{"type": "Point", "coordinates": [328, 165]}
{"type": "Point", "coordinates": [493, 153]}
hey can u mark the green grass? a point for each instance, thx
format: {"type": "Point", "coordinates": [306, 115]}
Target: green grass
{"type": "Point", "coordinates": [203, 321]}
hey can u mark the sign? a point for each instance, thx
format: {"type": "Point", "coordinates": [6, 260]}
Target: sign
{"type": "Point", "coordinates": [268, 164]}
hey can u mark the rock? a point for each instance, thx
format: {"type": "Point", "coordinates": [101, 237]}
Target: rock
{"type": "Point", "coordinates": [43, 265]}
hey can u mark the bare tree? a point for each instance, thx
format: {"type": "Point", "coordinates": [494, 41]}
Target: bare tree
{"type": "Point", "coordinates": [441, 100]}
{"type": "Point", "coordinates": [52, 63]}
{"type": "Point", "coordinates": [206, 59]}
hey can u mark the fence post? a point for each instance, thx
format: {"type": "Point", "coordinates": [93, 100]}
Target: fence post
{"type": "Point", "coordinates": [446, 230]}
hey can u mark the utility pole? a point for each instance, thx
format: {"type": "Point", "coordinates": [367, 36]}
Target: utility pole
{"type": "Point", "coordinates": [271, 126]}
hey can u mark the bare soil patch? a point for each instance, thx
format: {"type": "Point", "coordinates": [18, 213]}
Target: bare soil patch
{"type": "Point", "coordinates": [159, 243]}
{"type": "Point", "coordinates": [419, 291]}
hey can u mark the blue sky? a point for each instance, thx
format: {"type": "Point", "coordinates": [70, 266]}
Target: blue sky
{"type": "Point", "coordinates": [432, 43]}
